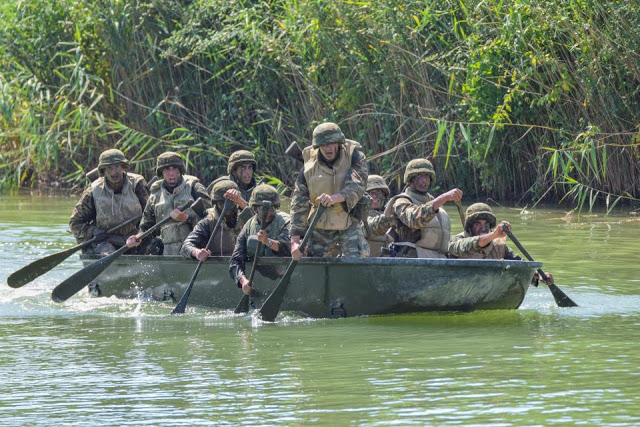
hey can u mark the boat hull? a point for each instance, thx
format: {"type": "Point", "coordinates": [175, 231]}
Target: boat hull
{"type": "Point", "coordinates": [330, 287]}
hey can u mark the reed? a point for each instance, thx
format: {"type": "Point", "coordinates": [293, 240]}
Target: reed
{"type": "Point", "coordinates": [516, 100]}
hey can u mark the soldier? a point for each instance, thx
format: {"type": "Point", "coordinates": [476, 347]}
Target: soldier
{"type": "Point", "coordinates": [477, 241]}
{"type": "Point", "coordinates": [224, 240]}
{"type": "Point", "coordinates": [423, 226]}
{"type": "Point", "coordinates": [172, 190]}
{"type": "Point", "coordinates": [378, 223]}
{"type": "Point", "coordinates": [241, 167]}
{"type": "Point", "coordinates": [115, 197]}
{"type": "Point", "coordinates": [334, 175]}
{"type": "Point", "coordinates": [275, 237]}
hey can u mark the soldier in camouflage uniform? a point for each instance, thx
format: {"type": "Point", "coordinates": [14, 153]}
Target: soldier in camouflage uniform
{"type": "Point", "coordinates": [275, 237]}
{"type": "Point", "coordinates": [477, 241]}
{"type": "Point", "coordinates": [378, 223]}
{"type": "Point", "coordinates": [172, 190]}
{"type": "Point", "coordinates": [241, 167]}
{"type": "Point", "coordinates": [225, 238]}
{"type": "Point", "coordinates": [334, 175]}
{"type": "Point", "coordinates": [423, 226]}
{"type": "Point", "coordinates": [110, 200]}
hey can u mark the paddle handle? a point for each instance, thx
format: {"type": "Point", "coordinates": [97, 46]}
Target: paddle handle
{"type": "Point", "coordinates": [460, 213]}
{"type": "Point", "coordinates": [264, 211]}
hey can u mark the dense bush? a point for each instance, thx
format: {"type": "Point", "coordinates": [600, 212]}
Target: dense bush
{"type": "Point", "coordinates": [511, 99]}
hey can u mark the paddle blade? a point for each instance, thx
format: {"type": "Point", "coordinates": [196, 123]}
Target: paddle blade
{"type": "Point", "coordinates": [38, 267]}
{"type": "Point", "coordinates": [243, 305]}
{"type": "Point", "coordinates": [271, 307]}
{"type": "Point", "coordinates": [562, 299]}
{"type": "Point", "coordinates": [72, 285]}
{"type": "Point", "coordinates": [181, 307]}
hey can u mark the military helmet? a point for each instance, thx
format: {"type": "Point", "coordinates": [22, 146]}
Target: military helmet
{"type": "Point", "coordinates": [111, 157]}
{"type": "Point", "coordinates": [478, 211]}
{"type": "Point", "coordinates": [221, 187]}
{"type": "Point", "coordinates": [327, 133]}
{"type": "Point", "coordinates": [167, 159]}
{"type": "Point", "coordinates": [262, 193]}
{"type": "Point", "coordinates": [418, 166]}
{"type": "Point", "coordinates": [376, 182]}
{"type": "Point", "coordinates": [241, 156]}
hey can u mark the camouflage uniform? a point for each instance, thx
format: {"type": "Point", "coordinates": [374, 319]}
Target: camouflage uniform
{"type": "Point", "coordinates": [247, 243]}
{"type": "Point", "coordinates": [378, 223]}
{"type": "Point", "coordinates": [225, 238]}
{"type": "Point", "coordinates": [347, 174]}
{"type": "Point", "coordinates": [421, 231]}
{"type": "Point", "coordinates": [465, 244]}
{"type": "Point", "coordinates": [90, 219]}
{"type": "Point", "coordinates": [240, 156]}
{"type": "Point", "coordinates": [164, 199]}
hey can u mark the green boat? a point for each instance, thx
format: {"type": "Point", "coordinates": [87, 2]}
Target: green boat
{"type": "Point", "coordinates": [329, 287]}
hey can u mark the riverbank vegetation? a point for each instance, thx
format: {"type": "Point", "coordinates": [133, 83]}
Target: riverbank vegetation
{"type": "Point", "coordinates": [519, 100]}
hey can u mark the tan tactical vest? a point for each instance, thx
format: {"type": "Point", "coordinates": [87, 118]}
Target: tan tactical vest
{"type": "Point", "coordinates": [494, 250]}
{"type": "Point", "coordinates": [224, 240]}
{"type": "Point", "coordinates": [322, 179]}
{"type": "Point", "coordinates": [172, 233]}
{"type": "Point", "coordinates": [434, 237]}
{"type": "Point", "coordinates": [113, 209]}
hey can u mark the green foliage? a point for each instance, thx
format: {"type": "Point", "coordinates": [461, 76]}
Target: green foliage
{"type": "Point", "coordinates": [511, 99]}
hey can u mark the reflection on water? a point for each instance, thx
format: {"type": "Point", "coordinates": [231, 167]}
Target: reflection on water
{"type": "Point", "coordinates": [116, 362]}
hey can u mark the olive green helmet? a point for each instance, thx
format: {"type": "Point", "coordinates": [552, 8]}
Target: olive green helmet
{"type": "Point", "coordinates": [418, 166]}
{"type": "Point", "coordinates": [376, 182]}
{"type": "Point", "coordinates": [221, 187]}
{"type": "Point", "coordinates": [478, 211]}
{"type": "Point", "coordinates": [262, 193]}
{"type": "Point", "coordinates": [169, 159]}
{"type": "Point", "coordinates": [241, 156]}
{"type": "Point", "coordinates": [111, 157]}
{"type": "Point", "coordinates": [327, 133]}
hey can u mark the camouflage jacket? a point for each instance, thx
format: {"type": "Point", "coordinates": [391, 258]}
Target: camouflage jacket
{"type": "Point", "coordinates": [464, 245]}
{"type": "Point", "coordinates": [354, 189]}
{"type": "Point", "coordinates": [411, 217]}
{"type": "Point", "coordinates": [149, 216]}
{"type": "Point", "coordinates": [83, 218]}
{"type": "Point", "coordinates": [378, 223]}
{"type": "Point", "coordinates": [278, 229]}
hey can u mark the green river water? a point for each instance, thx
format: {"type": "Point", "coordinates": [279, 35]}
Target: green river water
{"type": "Point", "coordinates": [121, 362]}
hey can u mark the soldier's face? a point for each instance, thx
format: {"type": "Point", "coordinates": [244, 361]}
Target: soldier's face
{"type": "Point", "coordinates": [421, 182]}
{"type": "Point", "coordinates": [330, 151]}
{"type": "Point", "coordinates": [377, 197]}
{"type": "Point", "coordinates": [244, 172]}
{"type": "Point", "coordinates": [115, 174]}
{"type": "Point", "coordinates": [480, 227]}
{"type": "Point", "coordinates": [171, 175]}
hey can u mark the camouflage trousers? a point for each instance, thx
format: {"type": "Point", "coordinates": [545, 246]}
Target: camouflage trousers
{"type": "Point", "coordinates": [350, 243]}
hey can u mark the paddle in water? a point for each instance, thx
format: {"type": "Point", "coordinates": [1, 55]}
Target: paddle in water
{"type": "Point", "coordinates": [40, 266]}
{"type": "Point", "coordinates": [271, 306]}
{"type": "Point", "coordinates": [243, 305]}
{"type": "Point", "coordinates": [562, 300]}
{"type": "Point", "coordinates": [182, 304]}
{"type": "Point", "coordinates": [71, 286]}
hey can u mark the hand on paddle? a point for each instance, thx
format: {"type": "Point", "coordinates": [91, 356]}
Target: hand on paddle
{"type": "Point", "coordinates": [295, 248]}
{"type": "Point", "coordinates": [179, 216]}
{"type": "Point", "coordinates": [245, 284]}
{"type": "Point", "coordinates": [548, 280]}
{"type": "Point", "coordinates": [327, 200]}
{"type": "Point", "coordinates": [201, 254]}
{"type": "Point", "coordinates": [236, 197]}
{"type": "Point", "coordinates": [134, 240]}
{"type": "Point", "coordinates": [454, 195]}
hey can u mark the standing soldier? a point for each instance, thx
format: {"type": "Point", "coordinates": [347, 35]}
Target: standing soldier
{"type": "Point", "coordinates": [241, 167]}
{"type": "Point", "coordinates": [334, 175]}
{"type": "Point", "coordinates": [423, 226]}
{"type": "Point", "coordinates": [378, 223]}
{"type": "Point", "coordinates": [275, 236]}
{"type": "Point", "coordinates": [112, 199]}
{"type": "Point", "coordinates": [172, 190]}
{"type": "Point", "coordinates": [224, 240]}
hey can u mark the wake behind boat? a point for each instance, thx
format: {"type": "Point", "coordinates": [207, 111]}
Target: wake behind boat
{"type": "Point", "coordinates": [330, 287]}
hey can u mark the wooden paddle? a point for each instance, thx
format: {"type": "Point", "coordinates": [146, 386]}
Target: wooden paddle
{"type": "Point", "coordinates": [271, 306]}
{"type": "Point", "coordinates": [71, 286]}
{"type": "Point", "coordinates": [243, 305]}
{"type": "Point", "coordinates": [182, 304]}
{"type": "Point", "coordinates": [459, 207]}
{"type": "Point", "coordinates": [40, 266]}
{"type": "Point", "coordinates": [562, 300]}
